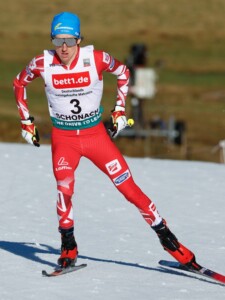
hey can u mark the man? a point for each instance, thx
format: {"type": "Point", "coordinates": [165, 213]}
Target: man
{"type": "Point", "coordinates": [73, 77]}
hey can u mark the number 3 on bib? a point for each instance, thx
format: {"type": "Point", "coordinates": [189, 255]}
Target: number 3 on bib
{"type": "Point", "coordinates": [76, 105]}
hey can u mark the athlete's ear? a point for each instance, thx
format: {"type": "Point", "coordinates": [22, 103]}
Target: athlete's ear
{"type": "Point", "coordinates": [78, 41]}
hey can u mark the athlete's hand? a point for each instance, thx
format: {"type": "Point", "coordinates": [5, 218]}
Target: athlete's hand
{"type": "Point", "coordinates": [29, 132]}
{"type": "Point", "coordinates": [118, 121]}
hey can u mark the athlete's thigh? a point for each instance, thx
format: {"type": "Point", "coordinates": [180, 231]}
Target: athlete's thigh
{"type": "Point", "coordinates": [65, 157]}
{"type": "Point", "coordinates": [106, 156]}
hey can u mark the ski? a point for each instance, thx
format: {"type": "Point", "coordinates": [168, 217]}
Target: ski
{"type": "Point", "coordinates": [62, 271]}
{"type": "Point", "coordinates": [201, 270]}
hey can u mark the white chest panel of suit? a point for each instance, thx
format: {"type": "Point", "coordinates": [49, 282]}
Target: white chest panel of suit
{"type": "Point", "coordinates": [74, 95]}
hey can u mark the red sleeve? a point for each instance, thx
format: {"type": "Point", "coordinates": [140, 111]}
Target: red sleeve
{"type": "Point", "coordinates": [105, 62]}
{"type": "Point", "coordinates": [28, 74]}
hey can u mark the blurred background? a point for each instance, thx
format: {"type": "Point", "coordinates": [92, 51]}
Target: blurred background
{"type": "Point", "coordinates": [176, 53]}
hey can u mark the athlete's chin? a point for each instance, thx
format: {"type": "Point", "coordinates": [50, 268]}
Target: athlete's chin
{"type": "Point", "coordinates": [64, 59]}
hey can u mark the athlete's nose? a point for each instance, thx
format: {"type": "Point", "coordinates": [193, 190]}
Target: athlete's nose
{"type": "Point", "coordinates": [64, 46]}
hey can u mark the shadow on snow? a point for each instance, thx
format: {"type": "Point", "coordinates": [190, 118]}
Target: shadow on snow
{"type": "Point", "coordinates": [31, 251]}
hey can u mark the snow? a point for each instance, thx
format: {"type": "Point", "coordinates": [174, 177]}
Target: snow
{"type": "Point", "coordinates": [121, 251]}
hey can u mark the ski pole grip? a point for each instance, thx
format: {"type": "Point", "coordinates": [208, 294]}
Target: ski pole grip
{"type": "Point", "coordinates": [130, 122]}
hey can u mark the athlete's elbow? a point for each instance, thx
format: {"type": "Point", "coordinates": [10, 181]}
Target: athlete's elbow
{"type": "Point", "coordinates": [17, 83]}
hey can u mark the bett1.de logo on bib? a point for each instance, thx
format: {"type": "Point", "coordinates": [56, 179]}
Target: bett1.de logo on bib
{"type": "Point", "coordinates": [65, 81]}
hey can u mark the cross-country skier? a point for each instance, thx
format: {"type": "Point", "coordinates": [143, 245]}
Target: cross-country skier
{"type": "Point", "coordinates": [73, 77]}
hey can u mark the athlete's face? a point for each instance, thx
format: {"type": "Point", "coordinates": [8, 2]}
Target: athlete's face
{"type": "Point", "coordinates": [66, 52]}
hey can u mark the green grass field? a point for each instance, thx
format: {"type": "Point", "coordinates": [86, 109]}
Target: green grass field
{"type": "Point", "coordinates": [187, 36]}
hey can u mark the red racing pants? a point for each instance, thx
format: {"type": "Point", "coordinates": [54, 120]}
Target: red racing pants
{"type": "Point", "coordinates": [94, 143]}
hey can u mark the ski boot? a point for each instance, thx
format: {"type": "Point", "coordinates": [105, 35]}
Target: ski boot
{"type": "Point", "coordinates": [69, 251]}
{"type": "Point", "coordinates": [171, 244]}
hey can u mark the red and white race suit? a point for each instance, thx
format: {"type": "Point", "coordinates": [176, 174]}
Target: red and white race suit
{"type": "Point", "coordinates": [74, 95]}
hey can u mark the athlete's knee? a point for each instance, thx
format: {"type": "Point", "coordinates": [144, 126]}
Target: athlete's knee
{"type": "Point", "coordinates": [66, 185]}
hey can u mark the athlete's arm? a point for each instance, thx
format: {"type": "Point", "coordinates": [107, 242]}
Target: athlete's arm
{"type": "Point", "coordinates": [105, 62]}
{"type": "Point", "coordinates": [28, 74]}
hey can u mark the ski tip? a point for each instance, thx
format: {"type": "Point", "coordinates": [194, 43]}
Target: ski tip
{"type": "Point", "coordinates": [171, 264]}
{"type": "Point", "coordinates": [163, 262]}
{"type": "Point", "coordinates": [44, 273]}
